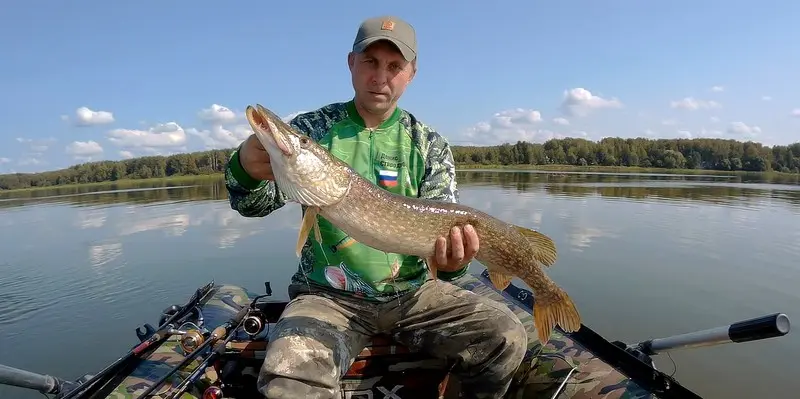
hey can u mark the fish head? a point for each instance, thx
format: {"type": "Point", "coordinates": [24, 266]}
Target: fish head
{"type": "Point", "coordinates": [304, 171]}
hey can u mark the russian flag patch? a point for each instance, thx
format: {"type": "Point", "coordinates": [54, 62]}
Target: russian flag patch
{"type": "Point", "coordinates": [387, 178]}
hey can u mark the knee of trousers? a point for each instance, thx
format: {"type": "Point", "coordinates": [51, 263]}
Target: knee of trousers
{"type": "Point", "coordinates": [511, 335]}
{"type": "Point", "coordinates": [500, 351]}
{"type": "Point", "coordinates": [301, 357]}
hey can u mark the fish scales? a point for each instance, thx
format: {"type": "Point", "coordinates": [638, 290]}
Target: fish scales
{"type": "Point", "coordinates": [310, 175]}
{"type": "Point", "coordinates": [391, 222]}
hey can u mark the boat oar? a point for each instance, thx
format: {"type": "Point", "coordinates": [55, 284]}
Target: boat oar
{"type": "Point", "coordinates": [43, 383]}
{"type": "Point", "coordinates": [769, 326]}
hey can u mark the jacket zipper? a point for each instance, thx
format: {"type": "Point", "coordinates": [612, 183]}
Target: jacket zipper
{"type": "Point", "coordinates": [372, 156]}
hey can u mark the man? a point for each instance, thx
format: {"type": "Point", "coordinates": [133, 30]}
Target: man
{"type": "Point", "coordinates": [344, 292]}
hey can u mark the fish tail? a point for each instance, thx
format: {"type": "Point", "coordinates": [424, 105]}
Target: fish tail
{"type": "Point", "coordinates": [561, 310]}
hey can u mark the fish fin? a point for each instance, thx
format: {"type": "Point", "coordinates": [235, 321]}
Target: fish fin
{"type": "Point", "coordinates": [317, 232]}
{"type": "Point", "coordinates": [543, 246]}
{"type": "Point", "coordinates": [562, 311]}
{"type": "Point", "coordinates": [431, 267]}
{"type": "Point", "coordinates": [309, 222]}
{"type": "Point", "coordinates": [500, 280]}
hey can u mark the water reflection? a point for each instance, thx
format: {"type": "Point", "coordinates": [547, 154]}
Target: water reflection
{"type": "Point", "coordinates": [641, 256]}
{"type": "Point", "coordinates": [737, 190]}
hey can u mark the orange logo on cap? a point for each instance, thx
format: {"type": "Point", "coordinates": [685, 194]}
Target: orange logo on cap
{"type": "Point", "coordinates": [387, 25]}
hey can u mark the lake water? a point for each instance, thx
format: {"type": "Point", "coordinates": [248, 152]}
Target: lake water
{"type": "Point", "coordinates": [642, 256]}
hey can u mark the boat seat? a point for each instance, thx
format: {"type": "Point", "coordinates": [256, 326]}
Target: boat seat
{"type": "Point", "coordinates": [383, 365]}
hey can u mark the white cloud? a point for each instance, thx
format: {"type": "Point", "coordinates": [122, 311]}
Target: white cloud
{"type": "Point", "coordinates": [741, 129]}
{"type": "Point", "coordinates": [164, 135]}
{"type": "Point", "coordinates": [4, 160]}
{"type": "Point", "coordinates": [37, 145]}
{"type": "Point", "coordinates": [691, 103]}
{"type": "Point", "coordinates": [217, 127]}
{"type": "Point", "coordinates": [217, 114]}
{"type": "Point", "coordinates": [30, 161]}
{"type": "Point", "coordinates": [766, 98]}
{"type": "Point", "coordinates": [684, 134]}
{"type": "Point", "coordinates": [217, 136]}
{"type": "Point", "coordinates": [84, 150]}
{"type": "Point", "coordinates": [508, 126]}
{"type": "Point", "coordinates": [560, 121]}
{"type": "Point", "coordinates": [512, 117]}
{"type": "Point", "coordinates": [580, 102]}
{"type": "Point", "coordinates": [291, 116]}
{"type": "Point", "coordinates": [87, 117]}
{"type": "Point", "coordinates": [222, 132]}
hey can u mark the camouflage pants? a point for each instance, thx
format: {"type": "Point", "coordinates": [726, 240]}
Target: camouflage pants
{"type": "Point", "coordinates": [319, 335]}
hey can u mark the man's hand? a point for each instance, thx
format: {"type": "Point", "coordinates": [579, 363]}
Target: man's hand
{"type": "Point", "coordinates": [463, 248]}
{"type": "Point", "coordinates": [255, 159]}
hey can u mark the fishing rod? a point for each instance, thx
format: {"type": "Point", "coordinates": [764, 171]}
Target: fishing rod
{"type": "Point", "coordinates": [252, 324]}
{"type": "Point", "coordinates": [216, 352]}
{"type": "Point", "coordinates": [165, 330]}
{"type": "Point", "coordinates": [222, 332]}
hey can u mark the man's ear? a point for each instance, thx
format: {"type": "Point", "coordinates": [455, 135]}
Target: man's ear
{"type": "Point", "coordinates": [413, 70]}
{"type": "Point", "coordinates": [351, 60]}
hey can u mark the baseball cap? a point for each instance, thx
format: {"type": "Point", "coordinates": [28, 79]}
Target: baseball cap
{"type": "Point", "coordinates": [395, 30]}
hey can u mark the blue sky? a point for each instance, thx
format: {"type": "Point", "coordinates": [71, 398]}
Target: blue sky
{"type": "Point", "coordinates": [95, 80]}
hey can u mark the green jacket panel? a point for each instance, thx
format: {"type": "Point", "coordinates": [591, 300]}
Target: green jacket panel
{"type": "Point", "coordinates": [402, 155]}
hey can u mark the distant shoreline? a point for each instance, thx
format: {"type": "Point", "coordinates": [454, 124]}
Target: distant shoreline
{"type": "Point", "coordinates": [125, 183]}
{"type": "Point", "coordinates": [617, 169]}
{"type": "Point", "coordinates": [176, 179]}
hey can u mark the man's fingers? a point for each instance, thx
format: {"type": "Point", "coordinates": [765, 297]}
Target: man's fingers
{"type": "Point", "coordinates": [256, 142]}
{"type": "Point", "coordinates": [471, 242]}
{"type": "Point", "coordinates": [441, 251]}
{"type": "Point", "coordinates": [456, 245]}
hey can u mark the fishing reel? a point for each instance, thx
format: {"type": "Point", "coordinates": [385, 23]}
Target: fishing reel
{"type": "Point", "coordinates": [255, 321]}
{"type": "Point", "coordinates": [192, 340]}
{"type": "Point", "coordinates": [195, 314]}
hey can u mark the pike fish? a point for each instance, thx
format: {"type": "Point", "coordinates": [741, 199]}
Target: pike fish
{"type": "Point", "coordinates": [310, 175]}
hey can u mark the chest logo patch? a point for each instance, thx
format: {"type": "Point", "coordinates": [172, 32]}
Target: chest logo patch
{"type": "Point", "coordinates": [387, 178]}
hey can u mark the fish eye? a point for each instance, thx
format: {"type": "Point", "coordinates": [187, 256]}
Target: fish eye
{"type": "Point", "coordinates": [303, 140]}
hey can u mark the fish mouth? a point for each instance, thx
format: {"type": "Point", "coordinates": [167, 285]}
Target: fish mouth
{"type": "Point", "coordinates": [261, 122]}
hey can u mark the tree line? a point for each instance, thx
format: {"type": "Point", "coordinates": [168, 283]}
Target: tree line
{"type": "Point", "coordinates": [711, 154]}
{"type": "Point", "coordinates": [214, 189]}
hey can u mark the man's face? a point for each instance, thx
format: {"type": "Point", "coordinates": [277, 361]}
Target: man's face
{"type": "Point", "coordinates": [380, 76]}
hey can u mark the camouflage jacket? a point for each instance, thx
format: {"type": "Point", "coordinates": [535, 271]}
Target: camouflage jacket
{"type": "Point", "coordinates": [402, 155]}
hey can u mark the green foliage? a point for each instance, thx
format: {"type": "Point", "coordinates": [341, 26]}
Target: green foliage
{"type": "Point", "coordinates": [709, 154]}
{"type": "Point", "coordinates": [195, 163]}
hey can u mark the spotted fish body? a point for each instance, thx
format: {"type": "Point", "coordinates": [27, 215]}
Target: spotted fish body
{"type": "Point", "coordinates": [308, 174]}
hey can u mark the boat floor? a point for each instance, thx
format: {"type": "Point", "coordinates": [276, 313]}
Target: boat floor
{"type": "Point", "coordinates": [563, 365]}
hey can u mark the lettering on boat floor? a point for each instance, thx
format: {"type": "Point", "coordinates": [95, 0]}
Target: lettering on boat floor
{"type": "Point", "coordinates": [368, 394]}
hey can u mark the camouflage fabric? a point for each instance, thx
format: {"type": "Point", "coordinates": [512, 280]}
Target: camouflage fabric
{"type": "Point", "coordinates": [157, 365]}
{"type": "Point", "coordinates": [217, 309]}
{"type": "Point", "coordinates": [481, 338]}
{"type": "Point", "coordinates": [544, 370]}
{"type": "Point", "coordinates": [385, 367]}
